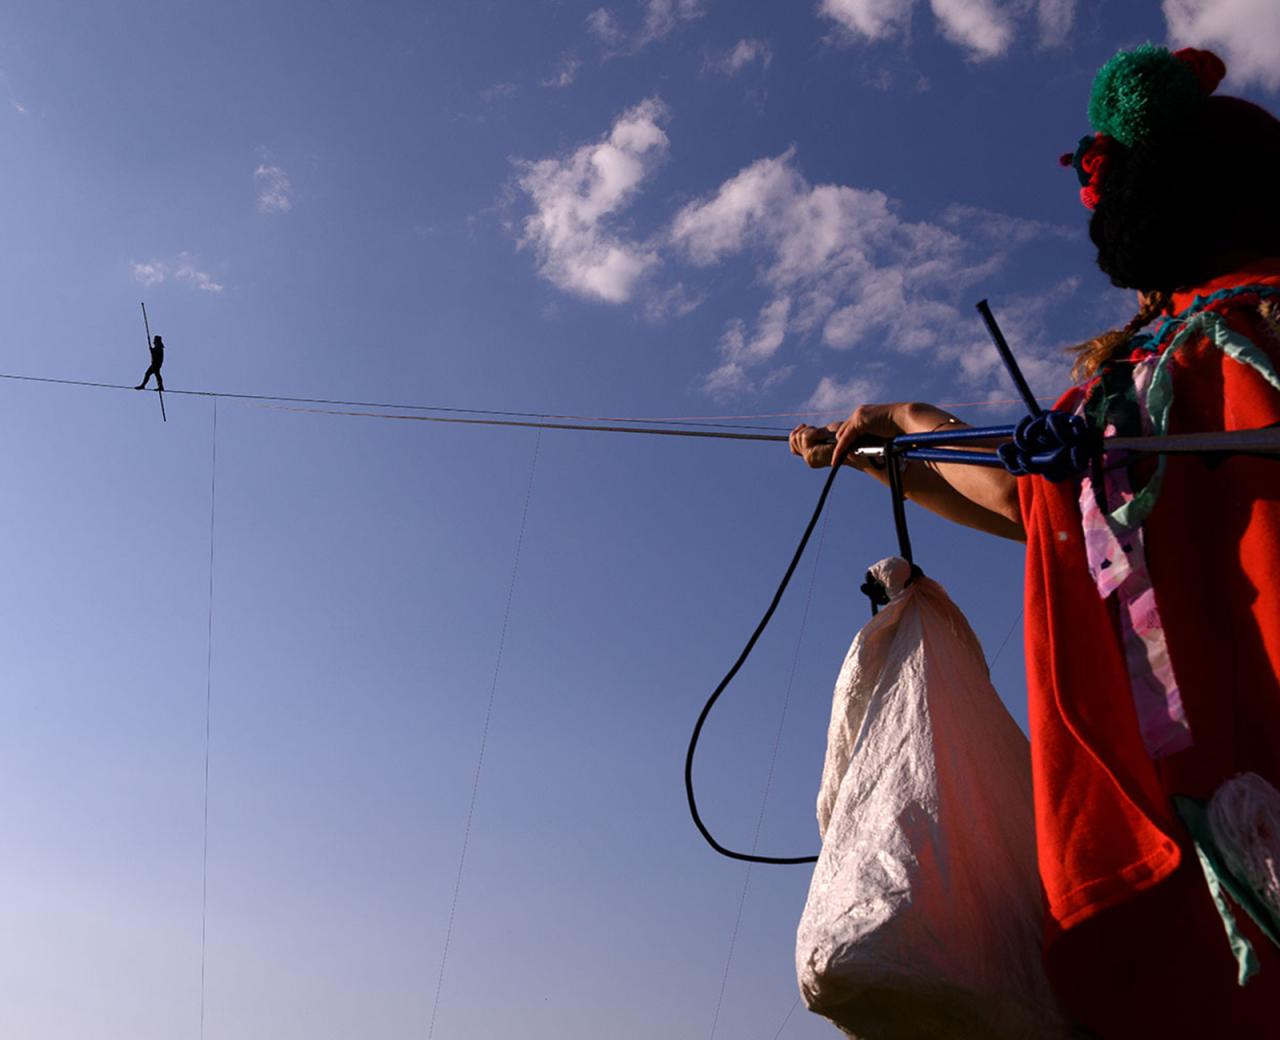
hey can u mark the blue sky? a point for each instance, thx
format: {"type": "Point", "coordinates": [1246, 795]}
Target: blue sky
{"type": "Point", "coordinates": [651, 208]}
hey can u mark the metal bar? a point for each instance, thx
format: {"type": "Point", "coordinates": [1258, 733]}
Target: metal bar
{"type": "Point", "coordinates": [968, 458]}
{"type": "Point", "coordinates": [954, 436]}
{"type": "Point", "coordinates": [1006, 355]}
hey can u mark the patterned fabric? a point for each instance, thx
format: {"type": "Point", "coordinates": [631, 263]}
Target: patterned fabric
{"type": "Point", "coordinates": [1117, 561]}
{"type": "Point", "coordinates": [1136, 398]}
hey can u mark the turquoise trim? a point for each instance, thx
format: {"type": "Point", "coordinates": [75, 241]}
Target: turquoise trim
{"type": "Point", "coordinates": [1246, 957]}
{"type": "Point", "coordinates": [1222, 883]}
{"type": "Point", "coordinates": [1199, 303]}
{"type": "Point", "coordinates": [1236, 346]}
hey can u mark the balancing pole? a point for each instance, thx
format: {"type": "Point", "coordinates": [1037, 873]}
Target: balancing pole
{"type": "Point", "coordinates": [147, 325]}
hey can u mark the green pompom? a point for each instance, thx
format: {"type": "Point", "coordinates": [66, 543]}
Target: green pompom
{"type": "Point", "coordinates": [1143, 92]}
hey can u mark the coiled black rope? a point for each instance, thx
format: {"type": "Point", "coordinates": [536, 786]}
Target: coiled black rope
{"type": "Point", "coordinates": [876, 593]}
{"type": "Point", "coordinates": [748, 857]}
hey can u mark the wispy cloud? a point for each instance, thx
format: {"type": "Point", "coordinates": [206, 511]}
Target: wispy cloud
{"type": "Point", "coordinates": [274, 189]}
{"type": "Point", "coordinates": [565, 74]}
{"type": "Point", "coordinates": [499, 91]}
{"type": "Point", "coordinates": [1043, 362]}
{"type": "Point", "coordinates": [744, 350]}
{"type": "Point", "coordinates": [662, 16]}
{"type": "Point", "coordinates": [576, 199]}
{"type": "Point", "coordinates": [603, 25]}
{"type": "Point", "coordinates": [150, 274]}
{"type": "Point", "coordinates": [983, 28]}
{"type": "Point", "coordinates": [833, 395]}
{"type": "Point", "coordinates": [673, 302]}
{"type": "Point", "coordinates": [739, 56]}
{"type": "Point", "coordinates": [187, 271]}
{"type": "Point", "coordinates": [1055, 18]}
{"type": "Point", "coordinates": [839, 263]}
{"type": "Point", "coordinates": [1246, 33]}
{"type": "Point", "coordinates": [182, 269]}
{"type": "Point", "coordinates": [835, 264]}
{"type": "Point", "coordinates": [659, 19]}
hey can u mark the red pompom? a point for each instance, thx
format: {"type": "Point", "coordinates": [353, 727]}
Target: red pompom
{"type": "Point", "coordinates": [1095, 163]}
{"type": "Point", "coordinates": [1207, 66]}
{"type": "Point", "coordinates": [1089, 196]}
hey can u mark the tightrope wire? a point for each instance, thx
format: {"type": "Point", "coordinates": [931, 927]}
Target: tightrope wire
{"type": "Point", "coordinates": [230, 396]}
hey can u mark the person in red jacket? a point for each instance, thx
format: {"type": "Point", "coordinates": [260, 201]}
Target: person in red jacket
{"type": "Point", "coordinates": [1153, 589]}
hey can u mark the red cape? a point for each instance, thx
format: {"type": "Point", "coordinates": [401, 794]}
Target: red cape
{"type": "Point", "coordinates": [1133, 942]}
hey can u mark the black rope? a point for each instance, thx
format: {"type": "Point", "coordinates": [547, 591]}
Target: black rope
{"type": "Point", "coordinates": [768, 783]}
{"type": "Point", "coordinates": [750, 857]}
{"type": "Point", "coordinates": [894, 459]}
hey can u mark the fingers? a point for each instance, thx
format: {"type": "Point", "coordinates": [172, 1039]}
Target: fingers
{"type": "Point", "coordinates": [868, 423]}
{"type": "Point", "coordinates": [813, 444]}
{"type": "Point", "coordinates": [794, 440]}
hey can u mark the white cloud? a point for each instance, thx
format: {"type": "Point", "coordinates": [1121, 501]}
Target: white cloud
{"type": "Point", "coordinates": [1246, 33]}
{"type": "Point", "coordinates": [186, 271]}
{"type": "Point", "coordinates": [575, 199]}
{"type": "Point", "coordinates": [741, 350]}
{"type": "Point", "coordinates": [273, 189]}
{"type": "Point", "coordinates": [742, 54]}
{"type": "Point", "coordinates": [183, 269]}
{"type": "Point", "coordinates": [840, 262]}
{"type": "Point", "coordinates": [1001, 227]}
{"type": "Point", "coordinates": [662, 16]}
{"type": "Point", "coordinates": [727, 380]}
{"type": "Point", "coordinates": [712, 229]}
{"type": "Point", "coordinates": [984, 28]}
{"type": "Point", "coordinates": [1045, 363]}
{"type": "Point", "coordinates": [674, 302]}
{"type": "Point", "coordinates": [566, 72]}
{"type": "Point", "coordinates": [872, 19]}
{"type": "Point", "coordinates": [602, 24]}
{"type": "Point", "coordinates": [1055, 18]}
{"type": "Point", "coordinates": [147, 275]}
{"type": "Point", "coordinates": [832, 395]}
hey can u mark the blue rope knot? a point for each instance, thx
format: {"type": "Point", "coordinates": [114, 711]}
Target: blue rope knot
{"type": "Point", "coordinates": [1052, 444]}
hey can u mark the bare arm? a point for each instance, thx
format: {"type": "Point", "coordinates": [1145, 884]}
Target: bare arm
{"type": "Point", "coordinates": [981, 497]}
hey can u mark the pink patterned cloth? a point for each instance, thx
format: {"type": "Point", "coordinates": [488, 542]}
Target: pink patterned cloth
{"type": "Point", "coordinates": [1118, 564]}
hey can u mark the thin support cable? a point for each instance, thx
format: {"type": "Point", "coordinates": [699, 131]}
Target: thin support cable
{"type": "Point", "coordinates": [787, 1019]}
{"type": "Point", "coordinates": [1005, 641]}
{"type": "Point", "coordinates": [776, 438]}
{"type": "Point", "coordinates": [484, 740]}
{"type": "Point", "coordinates": [208, 723]}
{"type": "Point", "coordinates": [768, 783]}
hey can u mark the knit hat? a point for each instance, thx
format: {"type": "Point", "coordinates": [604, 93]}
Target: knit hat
{"type": "Point", "coordinates": [1137, 95]}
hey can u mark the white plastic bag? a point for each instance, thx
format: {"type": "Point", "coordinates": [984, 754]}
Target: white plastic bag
{"type": "Point", "coordinates": [924, 913]}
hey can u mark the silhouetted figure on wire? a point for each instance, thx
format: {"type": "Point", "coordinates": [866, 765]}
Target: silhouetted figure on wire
{"type": "Point", "coordinates": [157, 360]}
